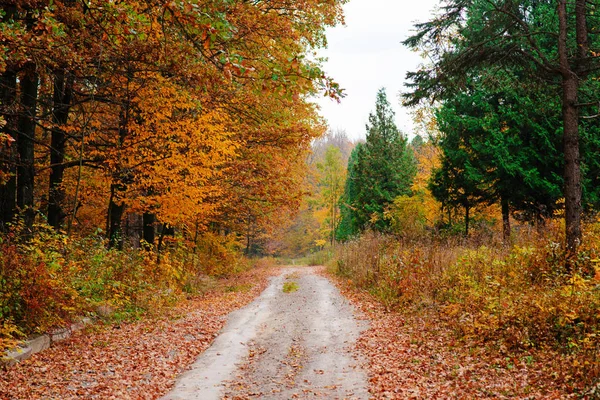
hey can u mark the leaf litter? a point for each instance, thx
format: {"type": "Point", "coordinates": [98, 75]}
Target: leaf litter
{"type": "Point", "coordinates": [417, 356]}
{"type": "Point", "coordinates": [133, 360]}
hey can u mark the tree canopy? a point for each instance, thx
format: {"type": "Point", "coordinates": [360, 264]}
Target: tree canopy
{"type": "Point", "coordinates": [548, 43]}
{"type": "Point", "coordinates": [191, 114]}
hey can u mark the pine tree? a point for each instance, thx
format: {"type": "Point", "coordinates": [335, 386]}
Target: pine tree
{"type": "Point", "coordinates": [378, 172]}
{"type": "Point", "coordinates": [552, 42]}
{"type": "Point", "coordinates": [348, 226]}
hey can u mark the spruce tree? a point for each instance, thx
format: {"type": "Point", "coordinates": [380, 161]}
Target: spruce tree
{"type": "Point", "coordinates": [348, 226]}
{"type": "Point", "coordinates": [383, 168]}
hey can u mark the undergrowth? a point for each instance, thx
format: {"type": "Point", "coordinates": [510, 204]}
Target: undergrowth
{"type": "Point", "coordinates": [49, 280]}
{"type": "Point", "coordinates": [525, 296]}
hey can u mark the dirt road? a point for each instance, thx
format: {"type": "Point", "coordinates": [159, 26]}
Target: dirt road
{"type": "Point", "coordinates": [287, 344]}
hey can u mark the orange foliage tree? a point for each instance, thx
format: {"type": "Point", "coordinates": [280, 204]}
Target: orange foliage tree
{"type": "Point", "coordinates": [187, 114]}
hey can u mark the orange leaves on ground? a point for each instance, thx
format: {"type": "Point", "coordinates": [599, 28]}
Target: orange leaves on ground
{"type": "Point", "coordinates": [131, 360]}
{"type": "Point", "coordinates": [416, 355]}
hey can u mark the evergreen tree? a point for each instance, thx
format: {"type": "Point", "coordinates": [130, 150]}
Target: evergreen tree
{"type": "Point", "coordinates": [499, 145]}
{"type": "Point", "coordinates": [348, 226]}
{"type": "Point", "coordinates": [553, 42]}
{"type": "Point", "coordinates": [379, 171]}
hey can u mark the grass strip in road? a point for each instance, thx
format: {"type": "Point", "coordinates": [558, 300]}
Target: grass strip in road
{"type": "Point", "coordinates": [290, 287]}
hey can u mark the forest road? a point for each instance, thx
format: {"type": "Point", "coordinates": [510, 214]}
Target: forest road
{"type": "Point", "coordinates": [295, 340]}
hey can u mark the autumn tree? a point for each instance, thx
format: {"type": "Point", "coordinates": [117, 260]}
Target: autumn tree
{"type": "Point", "coordinates": [332, 177]}
{"type": "Point", "coordinates": [411, 215]}
{"type": "Point", "coordinates": [176, 112]}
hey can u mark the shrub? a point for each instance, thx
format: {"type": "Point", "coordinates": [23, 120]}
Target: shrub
{"type": "Point", "coordinates": [527, 295]}
{"type": "Point", "coordinates": [47, 280]}
{"type": "Point", "coordinates": [33, 296]}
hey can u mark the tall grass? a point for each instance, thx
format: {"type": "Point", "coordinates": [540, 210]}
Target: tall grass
{"type": "Point", "coordinates": [527, 295]}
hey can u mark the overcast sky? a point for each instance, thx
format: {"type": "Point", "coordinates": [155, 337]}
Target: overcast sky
{"type": "Point", "coordinates": [367, 54]}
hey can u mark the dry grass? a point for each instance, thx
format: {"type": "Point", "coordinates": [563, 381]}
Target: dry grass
{"type": "Point", "coordinates": [524, 296]}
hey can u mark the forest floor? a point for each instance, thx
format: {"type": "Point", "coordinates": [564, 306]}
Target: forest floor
{"type": "Point", "coordinates": [293, 336]}
{"type": "Point", "coordinates": [415, 355]}
{"type": "Point", "coordinates": [132, 360]}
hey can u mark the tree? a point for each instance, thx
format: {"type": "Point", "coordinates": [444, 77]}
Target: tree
{"type": "Point", "coordinates": [349, 226]}
{"type": "Point", "coordinates": [188, 115]}
{"type": "Point", "coordinates": [456, 183]}
{"type": "Point", "coordinates": [336, 138]}
{"type": "Point", "coordinates": [333, 176]}
{"type": "Point", "coordinates": [386, 168]}
{"type": "Point", "coordinates": [470, 34]}
{"type": "Point", "coordinates": [380, 170]}
{"type": "Point", "coordinates": [509, 145]}
{"type": "Point", "coordinates": [428, 158]}
{"type": "Point", "coordinates": [319, 215]}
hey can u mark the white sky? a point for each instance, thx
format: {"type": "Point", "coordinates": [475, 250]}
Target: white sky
{"type": "Point", "coordinates": [367, 54]}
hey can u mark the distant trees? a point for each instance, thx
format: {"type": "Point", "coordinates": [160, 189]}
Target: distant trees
{"type": "Point", "coordinates": [313, 227]}
{"type": "Point", "coordinates": [379, 170]}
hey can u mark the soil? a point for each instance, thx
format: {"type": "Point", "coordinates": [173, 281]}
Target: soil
{"type": "Point", "coordinates": [297, 343]}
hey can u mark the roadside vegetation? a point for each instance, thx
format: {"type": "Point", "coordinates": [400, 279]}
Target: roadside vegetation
{"type": "Point", "coordinates": [506, 298]}
{"type": "Point", "coordinates": [52, 279]}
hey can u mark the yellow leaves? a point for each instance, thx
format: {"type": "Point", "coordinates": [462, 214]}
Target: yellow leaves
{"type": "Point", "coordinates": [320, 243]}
{"type": "Point", "coordinates": [578, 282]}
{"type": "Point", "coordinates": [597, 273]}
{"type": "Point", "coordinates": [175, 151]}
{"type": "Point", "coordinates": [428, 158]}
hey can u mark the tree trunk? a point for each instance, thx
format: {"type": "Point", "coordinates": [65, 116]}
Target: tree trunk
{"type": "Point", "coordinates": [540, 223]}
{"type": "Point", "coordinates": [116, 209]}
{"type": "Point", "coordinates": [248, 237]}
{"type": "Point", "coordinates": [148, 220]}
{"type": "Point", "coordinates": [195, 243]}
{"type": "Point", "coordinates": [505, 221]}
{"type": "Point", "coordinates": [25, 146]}
{"type": "Point", "coordinates": [165, 230]}
{"type": "Point", "coordinates": [8, 190]}
{"type": "Point", "coordinates": [467, 209]}
{"type": "Point", "coordinates": [63, 88]}
{"type": "Point", "coordinates": [572, 172]}
{"type": "Point", "coordinates": [333, 217]}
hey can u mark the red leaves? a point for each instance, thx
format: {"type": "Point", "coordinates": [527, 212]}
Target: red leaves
{"type": "Point", "coordinates": [130, 360]}
{"type": "Point", "coordinates": [417, 356]}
